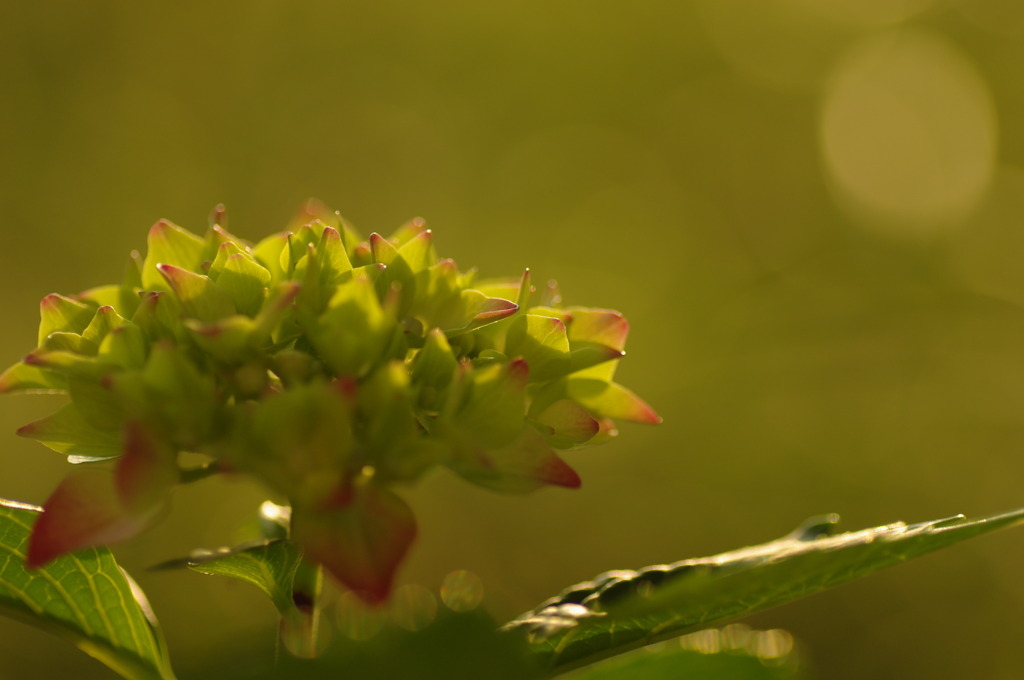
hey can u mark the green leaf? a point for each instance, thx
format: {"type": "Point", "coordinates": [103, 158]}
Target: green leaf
{"type": "Point", "coordinates": [269, 566]}
{"type": "Point", "coordinates": [455, 646]}
{"type": "Point", "coordinates": [275, 566]}
{"type": "Point", "coordinates": [84, 597]}
{"type": "Point", "coordinates": [623, 610]}
{"type": "Point", "coordinates": [733, 653]}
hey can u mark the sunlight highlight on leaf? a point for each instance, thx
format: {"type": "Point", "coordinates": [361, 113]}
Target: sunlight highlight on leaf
{"type": "Point", "coordinates": [84, 597]}
{"type": "Point", "coordinates": [623, 610]}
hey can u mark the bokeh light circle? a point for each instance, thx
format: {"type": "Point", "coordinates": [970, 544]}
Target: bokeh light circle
{"type": "Point", "coordinates": [908, 133]}
{"type": "Point", "coordinates": [462, 591]}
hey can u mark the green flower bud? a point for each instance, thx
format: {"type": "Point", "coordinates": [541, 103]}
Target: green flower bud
{"type": "Point", "coordinates": [329, 367]}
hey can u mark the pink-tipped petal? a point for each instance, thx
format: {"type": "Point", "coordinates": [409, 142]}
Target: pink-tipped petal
{"type": "Point", "coordinates": [567, 424]}
{"type": "Point", "coordinates": [58, 313]}
{"type": "Point", "coordinates": [524, 465]}
{"type": "Point", "coordinates": [409, 230]}
{"type": "Point", "coordinates": [418, 252]}
{"type": "Point", "coordinates": [602, 326]}
{"type": "Point", "coordinates": [28, 430]}
{"type": "Point", "coordinates": [494, 309]}
{"type": "Point", "coordinates": [24, 377]}
{"type": "Point", "coordinates": [160, 229]}
{"type": "Point", "coordinates": [557, 472]}
{"type": "Point", "coordinates": [146, 471]}
{"type": "Point", "coordinates": [519, 372]}
{"type": "Point", "coordinates": [362, 542]}
{"type": "Point", "coordinates": [219, 216]}
{"type": "Point", "coordinates": [83, 512]}
{"type": "Point", "coordinates": [526, 289]}
{"type": "Point", "coordinates": [381, 249]}
{"type": "Point", "coordinates": [199, 296]}
{"type": "Point", "coordinates": [611, 400]}
{"type": "Point", "coordinates": [313, 209]}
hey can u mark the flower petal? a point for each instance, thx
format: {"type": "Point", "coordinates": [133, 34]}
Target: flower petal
{"type": "Point", "coordinates": [360, 542]}
{"type": "Point", "coordinates": [82, 512]}
{"type": "Point", "coordinates": [524, 465]}
{"type": "Point", "coordinates": [566, 424]}
{"type": "Point", "coordinates": [59, 313]}
{"type": "Point", "coordinates": [170, 244]}
{"type": "Point", "coordinates": [610, 400]}
{"type": "Point", "coordinates": [146, 471]}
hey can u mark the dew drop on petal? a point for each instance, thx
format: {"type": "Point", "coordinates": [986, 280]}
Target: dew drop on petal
{"type": "Point", "coordinates": [462, 591]}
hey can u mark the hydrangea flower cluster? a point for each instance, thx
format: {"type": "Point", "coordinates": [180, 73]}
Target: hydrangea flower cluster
{"type": "Point", "coordinates": [330, 367]}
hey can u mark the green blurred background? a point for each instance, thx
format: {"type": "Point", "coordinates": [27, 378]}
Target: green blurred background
{"type": "Point", "coordinates": [811, 212]}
